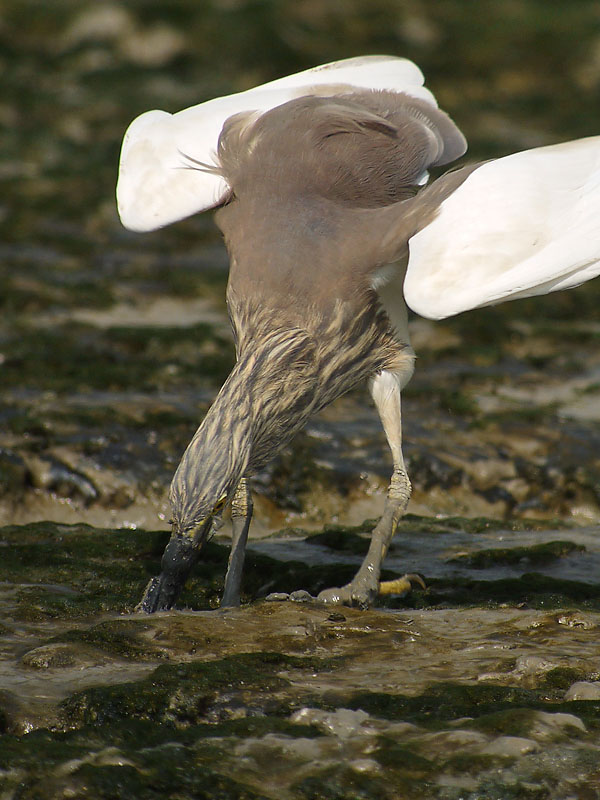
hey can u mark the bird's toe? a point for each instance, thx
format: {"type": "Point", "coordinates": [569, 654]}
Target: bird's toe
{"type": "Point", "coordinates": [401, 586]}
{"type": "Point", "coordinates": [355, 594]}
{"type": "Point", "coordinates": [336, 596]}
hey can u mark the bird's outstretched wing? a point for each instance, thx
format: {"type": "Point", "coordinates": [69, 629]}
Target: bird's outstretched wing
{"type": "Point", "coordinates": [519, 226]}
{"type": "Point", "coordinates": [165, 168]}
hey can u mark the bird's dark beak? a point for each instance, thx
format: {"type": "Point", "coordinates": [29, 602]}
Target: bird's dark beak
{"type": "Point", "coordinates": [181, 553]}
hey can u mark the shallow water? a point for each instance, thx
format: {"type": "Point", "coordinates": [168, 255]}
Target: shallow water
{"type": "Point", "coordinates": [487, 680]}
{"type": "Point", "coordinates": [486, 684]}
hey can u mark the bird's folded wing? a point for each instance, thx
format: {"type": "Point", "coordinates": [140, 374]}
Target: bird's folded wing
{"type": "Point", "coordinates": [522, 225]}
{"type": "Point", "coordinates": [161, 179]}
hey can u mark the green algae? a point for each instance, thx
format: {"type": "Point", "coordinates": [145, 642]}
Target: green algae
{"type": "Point", "coordinates": [534, 415]}
{"type": "Point", "coordinates": [445, 702]}
{"type": "Point", "coordinates": [74, 571]}
{"type": "Point", "coordinates": [562, 677]}
{"type": "Point", "coordinates": [491, 708]}
{"type": "Point", "coordinates": [39, 295]}
{"type": "Point", "coordinates": [82, 356]}
{"type": "Point", "coordinates": [203, 782]}
{"type": "Point", "coordinates": [522, 721]}
{"type": "Point", "coordinates": [458, 403]}
{"type": "Point", "coordinates": [532, 590]}
{"type": "Point", "coordinates": [180, 723]}
{"type": "Point", "coordinates": [186, 694]}
{"type": "Point", "coordinates": [120, 638]}
{"type": "Point", "coordinates": [537, 554]}
{"type": "Point", "coordinates": [46, 747]}
{"type": "Point", "coordinates": [474, 763]}
{"type": "Point", "coordinates": [397, 756]}
{"type": "Point", "coordinates": [496, 789]}
{"type": "Point", "coordinates": [149, 760]}
{"type": "Point", "coordinates": [343, 783]}
{"type": "Point", "coordinates": [25, 422]}
{"type": "Point", "coordinates": [13, 473]}
{"type": "Point", "coordinates": [343, 539]}
{"type": "Point", "coordinates": [79, 570]}
{"type": "Point", "coordinates": [445, 524]}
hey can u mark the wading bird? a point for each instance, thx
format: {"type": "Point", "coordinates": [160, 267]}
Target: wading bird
{"type": "Point", "coordinates": [320, 180]}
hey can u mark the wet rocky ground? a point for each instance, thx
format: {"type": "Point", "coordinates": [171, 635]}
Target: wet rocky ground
{"type": "Point", "coordinates": [485, 684]}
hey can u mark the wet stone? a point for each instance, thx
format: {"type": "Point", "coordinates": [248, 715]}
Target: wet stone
{"type": "Point", "coordinates": [583, 690]}
{"type": "Point", "coordinates": [55, 657]}
{"type": "Point", "coordinates": [541, 726]}
{"type": "Point", "coordinates": [576, 619]}
{"type": "Point", "coordinates": [533, 665]}
{"type": "Point", "coordinates": [546, 724]}
{"type": "Point", "coordinates": [296, 718]}
{"type": "Point", "coordinates": [367, 765]}
{"type": "Point", "coordinates": [509, 747]}
{"type": "Point", "coordinates": [342, 723]}
{"type": "Point", "coordinates": [447, 742]}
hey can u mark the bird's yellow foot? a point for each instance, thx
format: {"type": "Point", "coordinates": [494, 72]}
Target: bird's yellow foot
{"type": "Point", "coordinates": [401, 586]}
{"type": "Point", "coordinates": [359, 595]}
{"type": "Point", "coordinates": [362, 593]}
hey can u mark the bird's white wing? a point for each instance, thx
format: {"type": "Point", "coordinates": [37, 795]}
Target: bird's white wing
{"type": "Point", "coordinates": [522, 225]}
{"type": "Point", "coordinates": [160, 180]}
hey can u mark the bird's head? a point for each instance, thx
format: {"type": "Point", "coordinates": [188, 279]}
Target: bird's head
{"type": "Point", "coordinates": [268, 396]}
{"type": "Point", "coordinates": [208, 472]}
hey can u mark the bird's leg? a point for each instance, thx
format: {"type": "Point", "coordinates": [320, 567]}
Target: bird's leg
{"type": "Point", "coordinates": [364, 587]}
{"type": "Point", "coordinates": [241, 515]}
{"type": "Point", "coordinates": [181, 553]}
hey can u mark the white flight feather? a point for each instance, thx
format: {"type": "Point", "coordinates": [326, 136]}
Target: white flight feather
{"type": "Point", "coordinates": [159, 182]}
{"type": "Point", "coordinates": [518, 226]}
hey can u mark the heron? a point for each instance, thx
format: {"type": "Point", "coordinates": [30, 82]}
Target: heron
{"type": "Point", "coordinates": [320, 182]}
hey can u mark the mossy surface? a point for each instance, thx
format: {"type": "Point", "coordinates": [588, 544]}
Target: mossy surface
{"type": "Point", "coordinates": [75, 571]}
{"type": "Point", "coordinates": [184, 694]}
{"type": "Point", "coordinates": [72, 571]}
{"type": "Point", "coordinates": [148, 761]}
{"type": "Point", "coordinates": [168, 732]}
{"type": "Point", "coordinates": [530, 589]}
{"type": "Point", "coordinates": [79, 357]}
{"type": "Point", "coordinates": [189, 710]}
{"type": "Point", "coordinates": [536, 554]}
{"type": "Point", "coordinates": [444, 702]}
{"type": "Point", "coordinates": [493, 709]}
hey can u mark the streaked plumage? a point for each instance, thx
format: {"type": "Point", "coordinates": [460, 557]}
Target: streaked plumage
{"type": "Point", "coordinates": [319, 177]}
